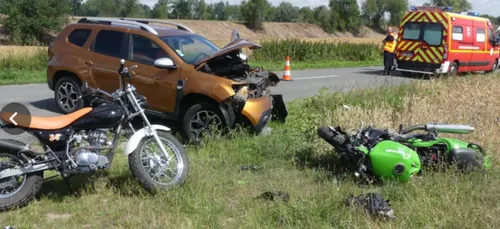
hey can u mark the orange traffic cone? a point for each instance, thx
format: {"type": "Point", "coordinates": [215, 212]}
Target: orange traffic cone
{"type": "Point", "coordinates": [287, 76]}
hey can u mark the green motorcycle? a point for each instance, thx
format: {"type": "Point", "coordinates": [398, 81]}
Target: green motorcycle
{"type": "Point", "coordinates": [376, 154]}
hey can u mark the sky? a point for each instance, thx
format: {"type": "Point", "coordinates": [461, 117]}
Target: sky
{"type": "Point", "coordinates": [490, 7]}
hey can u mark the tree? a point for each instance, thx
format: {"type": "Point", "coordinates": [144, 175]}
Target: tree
{"type": "Point", "coordinates": [76, 7]}
{"type": "Point", "coordinates": [306, 15]}
{"type": "Point", "coordinates": [219, 12]}
{"type": "Point", "coordinates": [286, 12]}
{"type": "Point", "coordinates": [129, 8]}
{"type": "Point", "coordinates": [160, 9]}
{"type": "Point", "coordinates": [233, 12]}
{"type": "Point", "coordinates": [102, 8]}
{"type": "Point", "coordinates": [29, 21]}
{"type": "Point", "coordinates": [254, 12]}
{"type": "Point", "coordinates": [200, 10]}
{"type": "Point", "coordinates": [182, 9]}
{"type": "Point", "coordinates": [397, 9]}
{"type": "Point", "coordinates": [323, 17]}
{"type": "Point", "coordinates": [373, 12]}
{"type": "Point", "coordinates": [457, 5]}
{"type": "Point", "coordinates": [346, 15]}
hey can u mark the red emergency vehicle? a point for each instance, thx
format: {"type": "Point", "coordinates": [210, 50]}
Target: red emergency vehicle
{"type": "Point", "coordinates": [432, 40]}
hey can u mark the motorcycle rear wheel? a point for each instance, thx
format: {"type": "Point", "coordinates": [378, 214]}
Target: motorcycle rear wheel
{"type": "Point", "coordinates": [146, 168]}
{"type": "Point", "coordinates": [18, 197]}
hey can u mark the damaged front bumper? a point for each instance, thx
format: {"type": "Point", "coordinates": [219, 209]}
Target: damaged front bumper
{"type": "Point", "coordinates": [258, 112]}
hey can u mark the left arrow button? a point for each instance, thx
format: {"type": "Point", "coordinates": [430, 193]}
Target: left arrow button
{"type": "Point", "coordinates": [12, 119]}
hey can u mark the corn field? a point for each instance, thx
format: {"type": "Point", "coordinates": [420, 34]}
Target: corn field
{"type": "Point", "coordinates": [301, 50]}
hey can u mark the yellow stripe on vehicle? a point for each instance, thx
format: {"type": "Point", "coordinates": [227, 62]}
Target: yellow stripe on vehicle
{"type": "Point", "coordinates": [431, 56]}
{"type": "Point", "coordinates": [424, 56]}
{"type": "Point", "coordinates": [407, 45]}
{"type": "Point", "coordinates": [414, 46]}
{"type": "Point", "coordinates": [429, 15]}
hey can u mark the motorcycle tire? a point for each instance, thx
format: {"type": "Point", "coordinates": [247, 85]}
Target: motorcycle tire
{"type": "Point", "coordinates": [140, 173]}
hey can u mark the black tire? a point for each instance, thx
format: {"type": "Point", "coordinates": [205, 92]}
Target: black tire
{"type": "Point", "coordinates": [68, 82]}
{"type": "Point", "coordinates": [494, 67]}
{"type": "Point", "coordinates": [140, 173]}
{"type": "Point", "coordinates": [453, 71]}
{"type": "Point", "coordinates": [32, 185]}
{"type": "Point", "coordinates": [200, 108]}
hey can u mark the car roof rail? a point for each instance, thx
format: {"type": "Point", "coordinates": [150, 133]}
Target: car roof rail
{"type": "Point", "coordinates": [108, 21]}
{"type": "Point", "coordinates": [147, 21]}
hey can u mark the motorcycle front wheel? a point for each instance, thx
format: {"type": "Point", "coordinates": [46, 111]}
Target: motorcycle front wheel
{"type": "Point", "coordinates": [152, 169]}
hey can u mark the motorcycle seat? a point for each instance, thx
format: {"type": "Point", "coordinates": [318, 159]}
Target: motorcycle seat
{"type": "Point", "coordinates": [45, 123]}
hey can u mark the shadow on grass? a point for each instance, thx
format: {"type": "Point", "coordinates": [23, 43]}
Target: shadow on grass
{"type": "Point", "coordinates": [57, 189]}
{"type": "Point", "coordinates": [329, 163]}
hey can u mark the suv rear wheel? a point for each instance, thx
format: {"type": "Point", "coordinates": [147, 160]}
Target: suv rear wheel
{"type": "Point", "coordinates": [199, 119]}
{"type": "Point", "coordinates": [66, 93]}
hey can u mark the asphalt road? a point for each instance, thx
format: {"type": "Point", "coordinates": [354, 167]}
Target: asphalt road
{"type": "Point", "coordinates": [40, 100]}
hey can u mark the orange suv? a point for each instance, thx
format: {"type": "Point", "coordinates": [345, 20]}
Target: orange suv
{"type": "Point", "coordinates": [184, 76]}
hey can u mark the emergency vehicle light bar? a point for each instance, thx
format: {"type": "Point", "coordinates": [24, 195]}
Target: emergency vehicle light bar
{"type": "Point", "coordinates": [431, 8]}
{"type": "Point", "coordinates": [470, 13]}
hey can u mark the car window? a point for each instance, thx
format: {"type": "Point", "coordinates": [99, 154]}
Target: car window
{"type": "Point", "coordinates": [145, 51]}
{"type": "Point", "coordinates": [433, 33]}
{"type": "Point", "coordinates": [79, 36]}
{"type": "Point", "coordinates": [109, 43]}
{"type": "Point", "coordinates": [191, 48]}
{"type": "Point", "coordinates": [491, 36]}
{"type": "Point", "coordinates": [458, 33]}
{"type": "Point", "coordinates": [411, 31]}
{"type": "Point", "coordinates": [480, 35]}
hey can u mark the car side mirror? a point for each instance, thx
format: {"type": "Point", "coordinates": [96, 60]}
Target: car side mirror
{"type": "Point", "coordinates": [165, 63]}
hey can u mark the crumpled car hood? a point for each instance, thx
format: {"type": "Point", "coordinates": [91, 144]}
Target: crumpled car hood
{"type": "Point", "coordinates": [232, 46]}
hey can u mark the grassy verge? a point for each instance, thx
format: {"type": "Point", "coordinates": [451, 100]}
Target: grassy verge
{"type": "Point", "coordinates": [16, 76]}
{"type": "Point", "coordinates": [294, 160]}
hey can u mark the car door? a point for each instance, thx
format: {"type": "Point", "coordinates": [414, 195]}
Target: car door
{"type": "Point", "coordinates": [158, 85]}
{"type": "Point", "coordinates": [108, 48]}
{"type": "Point", "coordinates": [492, 49]}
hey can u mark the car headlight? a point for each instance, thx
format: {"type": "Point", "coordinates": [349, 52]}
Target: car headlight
{"type": "Point", "coordinates": [243, 92]}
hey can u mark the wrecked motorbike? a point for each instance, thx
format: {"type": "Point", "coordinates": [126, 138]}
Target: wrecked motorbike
{"type": "Point", "coordinates": [377, 154]}
{"type": "Point", "coordinates": [76, 143]}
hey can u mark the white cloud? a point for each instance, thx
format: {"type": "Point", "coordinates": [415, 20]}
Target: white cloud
{"type": "Point", "coordinates": [482, 6]}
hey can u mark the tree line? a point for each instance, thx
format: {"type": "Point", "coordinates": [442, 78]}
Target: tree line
{"type": "Point", "coordinates": [30, 20]}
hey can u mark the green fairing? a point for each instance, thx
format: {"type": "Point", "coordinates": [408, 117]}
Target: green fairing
{"type": "Point", "coordinates": [450, 142]}
{"type": "Point", "coordinates": [387, 154]}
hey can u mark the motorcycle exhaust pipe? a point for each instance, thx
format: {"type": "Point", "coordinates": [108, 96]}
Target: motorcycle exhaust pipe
{"type": "Point", "coordinates": [332, 137]}
{"type": "Point", "coordinates": [450, 128]}
{"type": "Point", "coordinates": [13, 146]}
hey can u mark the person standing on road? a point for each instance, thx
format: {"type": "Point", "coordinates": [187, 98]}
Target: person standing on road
{"type": "Point", "coordinates": [389, 48]}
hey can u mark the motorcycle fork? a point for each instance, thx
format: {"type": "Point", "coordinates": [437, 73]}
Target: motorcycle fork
{"type": "Point", "coordinates": [149, 130]}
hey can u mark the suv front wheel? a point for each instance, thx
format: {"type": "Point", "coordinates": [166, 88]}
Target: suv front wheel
{"type": "Point", "coordinates": [199, 120]}
{"type": "Point", "coordinates": [66, 93]}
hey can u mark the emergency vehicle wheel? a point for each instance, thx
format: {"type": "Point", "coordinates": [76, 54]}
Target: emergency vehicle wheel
{"type": "Point", "coordinates": [494, 67]}
{"type": "Point", "coordinates": [453, 72]}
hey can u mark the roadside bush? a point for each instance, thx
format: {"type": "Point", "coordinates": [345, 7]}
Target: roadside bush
{"type": "Point", "coordinates": [300, 50]}
{"type": "Point", "coordinates": [19, 59]}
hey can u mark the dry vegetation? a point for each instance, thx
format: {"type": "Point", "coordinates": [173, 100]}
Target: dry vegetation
{"type": "Point", "coordinates": [294, 160]}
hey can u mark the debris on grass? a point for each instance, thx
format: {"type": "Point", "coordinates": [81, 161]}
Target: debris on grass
{"type": "Point", "coordinates": [273, 195]}
{"type": "Point", "coordinates": [373, 203]}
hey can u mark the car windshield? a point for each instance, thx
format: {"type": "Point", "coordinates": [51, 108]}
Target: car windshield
{"type": "Point", "coordinates": [431, 34]}
{"type": "Point", "coordinates": [191, 48]}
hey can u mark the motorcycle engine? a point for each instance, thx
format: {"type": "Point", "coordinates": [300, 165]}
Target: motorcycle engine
{"type": "Point", "coordinates": [89, 160]}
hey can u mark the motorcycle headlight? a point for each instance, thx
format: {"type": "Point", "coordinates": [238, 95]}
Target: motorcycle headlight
{"type": "Point", "coordinates": [243, 92]}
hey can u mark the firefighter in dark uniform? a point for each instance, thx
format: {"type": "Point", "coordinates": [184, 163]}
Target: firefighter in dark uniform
{"type": "Point", "coordinates": [389, 48]}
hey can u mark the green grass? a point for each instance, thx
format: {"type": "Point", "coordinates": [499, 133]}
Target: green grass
{"type": "Point", "coordinates": [294, 160]}
{"type": "Point", "coordinates": [16, 76]}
